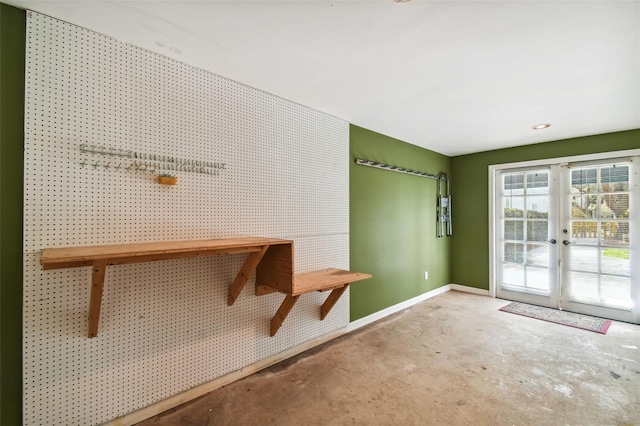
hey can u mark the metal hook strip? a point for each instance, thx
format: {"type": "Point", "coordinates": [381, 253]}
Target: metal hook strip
{"type": "Point", "coordinates": [440, 177]}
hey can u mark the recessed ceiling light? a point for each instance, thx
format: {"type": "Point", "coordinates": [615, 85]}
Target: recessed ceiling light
{"type": "Point", "coordinates": [541, 126]}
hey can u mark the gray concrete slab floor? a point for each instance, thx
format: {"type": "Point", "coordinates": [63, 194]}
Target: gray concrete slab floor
{"type": "Point", "coordinates": [452, 360]}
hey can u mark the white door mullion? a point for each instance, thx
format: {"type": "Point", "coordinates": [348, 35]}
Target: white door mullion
{"type": "Point", "coordinates": [634, 236]}
{"type": "Point", "coordinates": [555, 232]}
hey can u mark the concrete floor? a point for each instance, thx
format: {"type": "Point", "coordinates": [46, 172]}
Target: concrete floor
{"type": "Point", "coordinates": [452, 360]}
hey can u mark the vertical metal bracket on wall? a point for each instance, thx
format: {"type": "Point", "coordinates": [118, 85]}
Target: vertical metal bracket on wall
{"type": "Point", "coordinates": [444, 226]}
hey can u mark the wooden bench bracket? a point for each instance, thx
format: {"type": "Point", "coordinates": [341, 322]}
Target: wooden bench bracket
{"type": "Point", "coordinates": [261, 290]}
{"type": "Point", "coordinates": [245, 272]}
{"type": "Point", "coordinates": [95, 299]}
{"type": "Point", "coordinates": [331, 301]}
{"type": "Point", "coordinates": [282, 313]}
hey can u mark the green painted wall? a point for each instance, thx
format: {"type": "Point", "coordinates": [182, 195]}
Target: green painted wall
{"type": "Point", "coordinates": [470, 243]}
{"type": "Point", "coordinates": [12, 43]}
{"type": "Point", "coordinates": [392, 215]}
{"type": "Point", "coordinates": [392, 223]}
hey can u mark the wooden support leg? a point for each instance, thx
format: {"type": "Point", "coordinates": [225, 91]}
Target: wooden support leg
{"type": "Point", "coordinates": [97, 284]}
{"type": "Point", "coordinates": [261, 290]}
{"type": "Point", "coordinates": [282, 313]}
{"type": "Point", "coordinates": [331, 301]}
{"type": "Point", "coordinates": [245, 272]}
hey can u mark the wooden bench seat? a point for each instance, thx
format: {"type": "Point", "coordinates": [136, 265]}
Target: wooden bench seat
{"type": "Point", "coordinates": [336, 280]}
{"type": "Point", "coordinates": [326, 279]}
{"type": "Point", "coordinates": [99, 257]}
{"type": "Point", "coordinates": [275, 274]}
{"type": "Point", "coordinates": [271, 258]}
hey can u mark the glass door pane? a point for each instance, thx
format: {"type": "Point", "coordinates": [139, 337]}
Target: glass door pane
{"type": "Point", "coordinates": [597, 254]}
{"type": "Point", "coordinates": [525, 271]}
{"type": "Point", "coordinates": [566, 237]}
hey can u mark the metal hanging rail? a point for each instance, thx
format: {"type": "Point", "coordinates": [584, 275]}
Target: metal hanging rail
{"type": "Point", "coordinates": [368, 163]}
{"type": "Point", "coordinates": [444, 227]}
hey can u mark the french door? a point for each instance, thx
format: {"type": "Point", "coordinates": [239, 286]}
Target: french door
{"type": "Point", "coordinates": [566, 237]}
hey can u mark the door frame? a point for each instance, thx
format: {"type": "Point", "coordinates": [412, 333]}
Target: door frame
{"type": "Point", "coordinates": [531, 297]}
{"type": "Point", "coordinates": [620, 314]}
{"type": "Point", "coordinates": [493, 172]}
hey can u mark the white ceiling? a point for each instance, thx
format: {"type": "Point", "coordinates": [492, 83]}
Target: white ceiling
{"type": "Point", "coordinates": [451, 76]}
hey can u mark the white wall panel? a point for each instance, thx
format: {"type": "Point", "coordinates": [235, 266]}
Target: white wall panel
{"type": "Point", "coordinates": [165, 326]}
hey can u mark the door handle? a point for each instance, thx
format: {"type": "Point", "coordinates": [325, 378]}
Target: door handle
{"type": "Point", "coordinates": [552, 241]}
{"type": "Point", "coordinates": [566, 243]}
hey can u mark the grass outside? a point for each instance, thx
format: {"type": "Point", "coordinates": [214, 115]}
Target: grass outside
{"type": "Point", "coordinates": [615, 252]}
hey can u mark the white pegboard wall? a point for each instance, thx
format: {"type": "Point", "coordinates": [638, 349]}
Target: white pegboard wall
{"type": "Point", "coordinates": [284, 160]}
{"type": "Point", "coordinates": [165, 326]}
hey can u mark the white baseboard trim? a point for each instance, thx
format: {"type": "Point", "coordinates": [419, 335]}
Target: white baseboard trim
{"type": "Point", "coordinates": [467, 289]}
{"type": "Point", "coordinates": [396, 308]}
{"type": "Point", "coordinates": [195, 392]}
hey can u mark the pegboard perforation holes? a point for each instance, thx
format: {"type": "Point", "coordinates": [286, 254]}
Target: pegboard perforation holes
{"type": "Point", "coordinates": [165, 326]}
